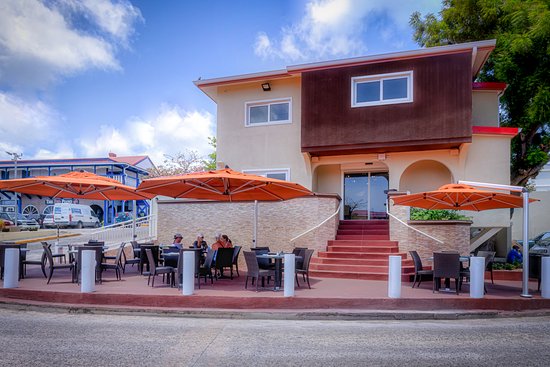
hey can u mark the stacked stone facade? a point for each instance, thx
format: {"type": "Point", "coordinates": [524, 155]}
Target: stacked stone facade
{"type": "Point", "coordinates": [278, 222]}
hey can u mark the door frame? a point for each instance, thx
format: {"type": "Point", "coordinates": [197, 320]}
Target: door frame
{"type": "Point", "coordinates": [344, 172]}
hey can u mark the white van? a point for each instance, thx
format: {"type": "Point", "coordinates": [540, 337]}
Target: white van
{"type": "Point", "coordinates": [74, 215]}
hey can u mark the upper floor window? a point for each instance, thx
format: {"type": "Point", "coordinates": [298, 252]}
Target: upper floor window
{"type": "Point", "coordinates": [279, 174]}
{"type": "Point", "coordinates": [276, 111]}
{"type": "Point", "coordinates": [381, 89]}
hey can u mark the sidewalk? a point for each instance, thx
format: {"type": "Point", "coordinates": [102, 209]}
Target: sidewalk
{"type": "Point", "coordinates": [326, 296]}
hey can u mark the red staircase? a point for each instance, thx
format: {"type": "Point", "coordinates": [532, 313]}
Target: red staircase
{"type": "Point", "coordinates": [360, 251]}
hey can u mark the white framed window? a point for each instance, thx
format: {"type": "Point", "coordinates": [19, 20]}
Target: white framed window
{"type": "Point", "coordinates": [270, 112]}
{"type": "Point", "coordinates": [279, 173]}
{"type": "Point", "coordinates": [382, 89]}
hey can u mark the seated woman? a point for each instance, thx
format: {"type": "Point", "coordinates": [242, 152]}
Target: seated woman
{"type": "Point", "coordinates": [218, 244]}
{"type": "Point", "coordinates": [226, 241]}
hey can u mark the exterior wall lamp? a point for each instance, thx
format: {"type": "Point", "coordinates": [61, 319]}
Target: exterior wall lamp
{"type": "Point", "coordinates": [266, 87]}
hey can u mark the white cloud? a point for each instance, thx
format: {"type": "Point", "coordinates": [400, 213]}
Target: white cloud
{"type": "Point", "coordinates": [171, 131]}
{"type": "Point", "coordinates": [337, 28]}
{"type": "Point", "coordinates": [39, 43]}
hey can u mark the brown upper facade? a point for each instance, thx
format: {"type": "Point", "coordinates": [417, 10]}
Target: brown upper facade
{"type": "Point", "coordinates": [413, 100]}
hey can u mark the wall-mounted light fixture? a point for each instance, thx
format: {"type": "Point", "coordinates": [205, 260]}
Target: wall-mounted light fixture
{"type": "Point", "coordinates": [266, 87]}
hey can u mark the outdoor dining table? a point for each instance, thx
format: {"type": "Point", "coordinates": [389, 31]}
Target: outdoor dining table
{"type": "Point", "coordinates": [278, 259]}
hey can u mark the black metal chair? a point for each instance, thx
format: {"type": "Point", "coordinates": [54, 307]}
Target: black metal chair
{"type": "Point", "coordinates": [117, 265]}
{"type": "Point", "coordinates": [254, 271]}
{"type": "Point", "coordinates": [299, 251]}
{"type": "Point", "coordinates": [236, 252]}
{"type": "Point", "coordinates": [305, 268]}
{"type": "Point", "coordinates": [25, 262]}
{"type": "Point", "coordinates": [206, 269]}
{"type": "Point", "coordinates": [61, 257]}
{"type": "Point", "coordinates": [224, 259]}
{"type": "Point", "coordinates": [446, 265]}
{"type": "Point", "coordinates": [144, 259]}
{"type": "Point", "coordinates": [535, 268]}
{"type": "Point", "coordinates": [135, 260]}
{"type": "Point", "coordinates": [155, 270]}
{"type": "Point", "coordinates": [52, 265]}
{"type": "Point", "coordinates": [419, 270]}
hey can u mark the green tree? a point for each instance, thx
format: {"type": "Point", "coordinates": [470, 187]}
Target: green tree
{"type": "Point", "coordinates": [182, 162]}
{"type": "Point", "coordinates": [521, 59]}
{"type": "Point", "coordinates": [210, 163]}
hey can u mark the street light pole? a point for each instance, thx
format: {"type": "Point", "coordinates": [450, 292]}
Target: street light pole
{"type": "Point", "coordinates": [15, 158]}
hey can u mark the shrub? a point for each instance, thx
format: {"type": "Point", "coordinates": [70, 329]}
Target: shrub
{"type": "Point", "coordinates": [433, 214]}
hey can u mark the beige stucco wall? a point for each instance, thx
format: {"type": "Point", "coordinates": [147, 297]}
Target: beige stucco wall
{"type": "Point", "coordinates": [485, 108]}
{"type": "Point", "coordinates": [424, 175]}
{"type": "Point", "coordinates": [260, 147]}
{"type": "Point", "coordinates": [278, 222]}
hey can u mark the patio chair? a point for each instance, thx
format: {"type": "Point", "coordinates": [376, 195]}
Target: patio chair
{"type": "Point", "coordinates": [535, 268]}
{"type": "Point", "coordinates": [224, 259]}
{"type": "Point", "coordinates": [254, 271]}
{"type": "Point", "coordinates": [117, 265]}
{"type": "Point", "coordinates": [135, 260]}
{"type": "Point", "coordinates": [61, 257]}
{"type": "Point", "coordinates": [41, 262]}
{"type": "Point", "coordinates": [305, 268]}
{"type": "Point", "coordinates": [263, 263]}
{"type": "Point", "coordinates": [155, 270]}
{"type": "Point", "coordinates": [446, 265]}
{"type": "Point", "coordinates": [489, 259]}
{"type": "Point", "coordinates": [236, 252]}
{"type": "Point", "coordinates": [419, 270]}
{"type": "Point", "coordinates": [206, 268]}
{"type": "Point", "coordinates": [299, 251]}
{"type": "Point", "coordinates": [53, 266]}
{"type": "Point", "coordinates": [144, 259]}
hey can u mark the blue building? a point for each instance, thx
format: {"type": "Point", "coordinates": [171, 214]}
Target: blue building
{"type": "Point", "coordinates": [129, 170]}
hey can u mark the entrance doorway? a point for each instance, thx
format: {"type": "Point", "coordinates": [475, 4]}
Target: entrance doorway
{"type": "Point", "coordinates": [364, 196]}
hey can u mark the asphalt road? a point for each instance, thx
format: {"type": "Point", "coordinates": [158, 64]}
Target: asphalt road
{"type": "Point", "coordinates": [29, 338]}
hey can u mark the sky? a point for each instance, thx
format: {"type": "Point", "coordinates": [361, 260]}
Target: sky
{"type": "Point", "coordinates": [82, 78]}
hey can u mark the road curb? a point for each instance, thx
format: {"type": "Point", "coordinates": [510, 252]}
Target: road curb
{"type": "Point", "coordinates": [332, 315]}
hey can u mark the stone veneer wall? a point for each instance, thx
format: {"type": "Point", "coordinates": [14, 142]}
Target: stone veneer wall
{"type": "Point", "coordinates": [454, 234]}
{"type": "Point", "coordinates": [278, 222]}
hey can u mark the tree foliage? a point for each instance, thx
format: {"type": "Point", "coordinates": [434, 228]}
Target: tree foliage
{"type": "Point", "coordinates": [210, 163]}
{"type": "Point", "coordinates": [521, 59]}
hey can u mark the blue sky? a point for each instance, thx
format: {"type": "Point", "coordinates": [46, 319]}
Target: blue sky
{"type": "Point", "coordinates": [81, 78]}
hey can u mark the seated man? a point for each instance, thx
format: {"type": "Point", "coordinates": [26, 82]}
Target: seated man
{"type": "Point", "coordinates": [177, 241]}
{"type": "Point", "coordinates": [514, 255]}
{"type": "Point", "coordinates": [200, 242]}
{"type": "Point", "coordinates": [218, 244]}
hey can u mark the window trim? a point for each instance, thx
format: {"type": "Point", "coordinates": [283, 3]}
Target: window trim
{"type": "Point", "coordinates": [267, 102]}
{"type": "Point", "coordinates": [264, 172]}
{"type": "Point", "coordinates": [381, 77]}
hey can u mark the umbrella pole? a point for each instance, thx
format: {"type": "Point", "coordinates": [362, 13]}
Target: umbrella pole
{"type": "Point", "coordinates": [134, 213]}
{"type": "Point", "coordinates": [525, 285]}
{"type": "Point", "coordinates": [255, 234]}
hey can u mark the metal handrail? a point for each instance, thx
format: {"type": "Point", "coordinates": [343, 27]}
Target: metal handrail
{"type": "Point", "coordinates": [318, 225]}
{"type": "Point", "coordinates": [411, 227]}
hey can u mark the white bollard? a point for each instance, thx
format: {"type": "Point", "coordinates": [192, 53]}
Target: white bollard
{"type": "Point", "coordinates": [188, 285]}
{"type": "Point", "coordinates": [477, 276]}
{"type": "Point", "coordinates": [394, 277]}
{"type": "Point", "coordinates": [290, 268]}
{"type": "Point", "coordinates": [11, 268]}
{"type": "Point", "coordinates": [545, 277]}
{"type": "Point", "coordinates": [87, 271]}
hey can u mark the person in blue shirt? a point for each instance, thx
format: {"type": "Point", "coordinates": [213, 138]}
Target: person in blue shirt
{"type": "Point", "coordinates": [177, 241]}
{"type": "Point", "coordinates": [514, 255]}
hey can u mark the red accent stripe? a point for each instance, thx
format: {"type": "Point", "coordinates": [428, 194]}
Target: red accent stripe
{"type": "Point", "coordinates": [498, 86]}
{"type": "Point", "coordinates": [492, 130]}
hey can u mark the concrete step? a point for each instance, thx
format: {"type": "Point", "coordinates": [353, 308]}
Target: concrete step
{"type": "Point", "coordinates": [354, 275]}
{"type": "Point", "coordinates": [359, 255]}
{"type": "Point", "coordinates": [363, 222]}
{"type": "Point", "coordinates": [359, 268]}
{"type": "Point", "coordinates": [344, 232]}
{"type": "Point", "coordinates": [363, 237]}
{"type": "Point", "coordinates": [363, 249]}
{"type": "Point", "coordinates": [364, 243]}
{"type": "Point", "coordinates": [350, 261]}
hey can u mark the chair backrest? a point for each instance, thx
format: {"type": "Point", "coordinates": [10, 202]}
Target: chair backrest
{"type": "Point", "coordinates": [446, 265]}
{"type": "Point", "coordinates": [152, 265]}
{"type": "Point", "coordinates": [260, 251]}
{"type": "Point", "coordinates": [119, 253]}
{"type": "Point", "coordinates": [236, 251]}
{"type": "Point", "coordinates": [209, 257]}
{"type": "Point", "coordinates": [251, 263]}
{"type": "Point", "coordinates": [135, 245]}
{"type": "Point", "coordinates": [48, 252]}
{"type": "Point", "coordinates": [488, 255]}
{"type": "Point", "coordinates": [307, 257]}
{"type": "Point", "coordinates": [224, 258]}
{"type": "Point", "coordinates": [154, 251]}
{"type": "Point", "coordinates": [535, 266]}
{"type": "Point", "coordinates": [417, 261]}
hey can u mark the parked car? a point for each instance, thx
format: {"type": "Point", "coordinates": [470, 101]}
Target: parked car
{"type": "Point", "coordinates": [48, 221]}
{"type": "Point", "coordinates": [74, 215]}
{"type": "Point", "coordinates": [5, 222]}
{"type": "Point", "coordinates": [540, 244]}
{"type": "Point", "coordinates": [27, 224]}
{"type": "Point", "coordinates": [123, 217]}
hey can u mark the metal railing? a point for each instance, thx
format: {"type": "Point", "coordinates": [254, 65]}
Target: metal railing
{"type": "Point", "coordinates": [411, 227]}
{"type": "Point", "coordinates": [318, 225]}
{"type": "Point", "coordinates": [145, 229]}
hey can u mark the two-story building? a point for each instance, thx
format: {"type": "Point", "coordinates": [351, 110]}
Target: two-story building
{"type": "Point", "coordinates": [409, 121]}
{"type": "Point", "coordinates": [129, 170]}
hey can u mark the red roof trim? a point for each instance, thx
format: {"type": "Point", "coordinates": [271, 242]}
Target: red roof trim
{"type": "Point", "coordinates": [492, 130]}
{"type": "Point", "coordinates": [496, 86]}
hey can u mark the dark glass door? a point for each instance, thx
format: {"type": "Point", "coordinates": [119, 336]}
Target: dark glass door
{"type": "Point", "coordinates": [364, 196]}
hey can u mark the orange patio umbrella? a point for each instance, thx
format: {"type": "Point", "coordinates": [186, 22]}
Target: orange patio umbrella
{"type": "Point", "coordinates": [76, 185]}
{"type": "Point", "coordinates": [461, 197]}
{"type": "Point", "coordinates": [223, 185]}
